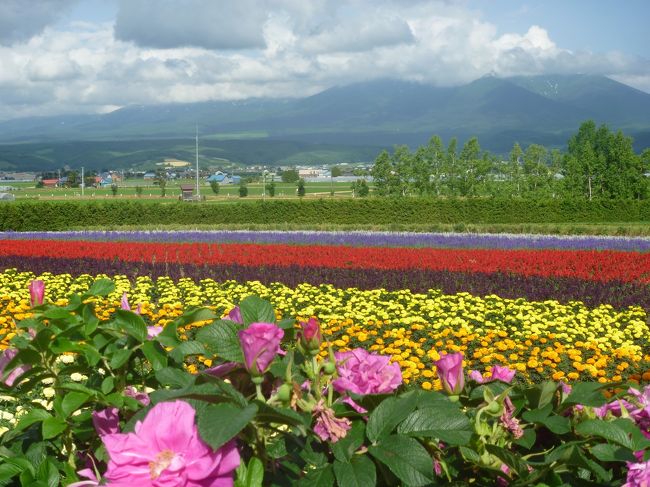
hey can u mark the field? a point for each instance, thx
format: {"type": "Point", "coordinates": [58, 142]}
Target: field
{"type": "Point", "coordinates": [150, 191]}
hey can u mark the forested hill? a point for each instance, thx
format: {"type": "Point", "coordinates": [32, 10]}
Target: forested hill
{"type": "Point", "coordinates": [540, 109]}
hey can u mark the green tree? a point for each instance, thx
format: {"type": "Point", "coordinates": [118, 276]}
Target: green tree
{"type": "Point", "coordinates": [381, 173]}
{"type": "Point", "coordinates": [514, 171]}
{"type": "Point", "coordinates": [114, 189]}
{"type": "Point", "coordinates": [214, 186]}
{"type": "Point", "coordinates": [243, 190]}
{"type": "Point", "coordinates": [301, 187]}
{"type": "Point", "coordinates": [270, 189]}
{"type": "Point", "coordinates": [138, 191]}
{"type": "Point", "coordinates": [473, 168]}
{"type": "Point", "coordinates": [435, 157]}
{"type": "Point", "coordinates": [290, 176]}
{"type": "Point", "coordinates": [451, 166]}
{"type": "Point", "coordinates": [336, 171]}
{"type": "Point", "coordinates": [536, 171]}
{"type": "Point", "coordinates": [360, 188]}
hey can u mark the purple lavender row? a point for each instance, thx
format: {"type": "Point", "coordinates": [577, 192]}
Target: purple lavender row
{"type": "Point", "coordinates": [534, 288]}
{"type": "Point", "coordinates": [355, 238]}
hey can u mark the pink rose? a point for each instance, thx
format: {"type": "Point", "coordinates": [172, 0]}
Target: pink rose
{"type": "Point", "coordinates": [166, 450]}
{"type": "Point", "coordinates": [6, 357]}
{"type": "Point", "coordinates": [450, 372]}
{"type": "Point", "coordinates": [106, 421]}
{"type": "Point", "coordinates": [363, 373]}
{"type": "Point", "coordinates": [260, 343]}
{"type": "Point", "coordinates": [310, 334]}
{"type": "Point", "coordinates": [504, 374]}
{"type": "Point", "coordinates": [235, 315]}
{"type": "Point", "coordinates": [36, 292]}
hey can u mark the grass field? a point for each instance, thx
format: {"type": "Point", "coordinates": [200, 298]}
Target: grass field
{"type": "Point", "coordinates": [172, 190]}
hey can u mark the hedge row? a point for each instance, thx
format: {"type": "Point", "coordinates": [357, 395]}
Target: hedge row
{"type": "Point", "coordinates": [21, 216]}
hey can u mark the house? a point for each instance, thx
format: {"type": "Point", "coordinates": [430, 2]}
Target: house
{"type": "Point", "coordinates": [187, 192]}
{"type": "Point", "coordinates": [222, 178]}
{"type": "Point", "coordinates": [150, 175]}
{"type": "Point", "coordinates": [50, 183]}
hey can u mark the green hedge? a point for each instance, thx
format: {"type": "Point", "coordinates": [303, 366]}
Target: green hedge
{"type": "Point", "coordinates": [20, 216]}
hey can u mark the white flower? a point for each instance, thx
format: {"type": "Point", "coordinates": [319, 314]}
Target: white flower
{"type": "Point", "coordinates": [48, 380]}
{"type": "Point", "coordinates": [66, 359]}
{"type": "Point", "coordinates": [77, 377]}
{"type": "Point", "coordinates": [49, 392]}
{"type": "Point", "coordinates": [101, 371]}
{"type": "Point", "coordinates": [3, 430]}
{"type": "Point", "coordinates": [6, 415]}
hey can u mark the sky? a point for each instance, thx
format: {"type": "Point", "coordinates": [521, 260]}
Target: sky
{"type": "Point", "coordinates": [62, 57]}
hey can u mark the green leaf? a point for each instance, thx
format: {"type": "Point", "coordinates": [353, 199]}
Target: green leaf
{"type": "Point", "coordinates": [222, 338]}
{"type": "Point", "coordinates": [541, 394]}
{"type": "Point", "coordinates": [72, 401]}
{"type": "Point", "coordinates": [101, 287]}
{"type": "Point", "coordinates": [344, 449]}
{"type": "Point", "coordinates": [168, 337]}
{"type": "Point", "coordinates": [52, 427]}
{"type": "Point", "coordinates": [171, 376]}
{"type": "Point", "coordinates": [318, 477]}
{"type": "Point", "coordinates": [155, 355]}
{"type": "Point", "coordinates": [33, 416]}
{"type": "Point", "coordinates": [221, 422]}
{"type": "Point", "coordinates": [251, 475]}
{"type": "Point", "coordinates": [192, 347]}
{"type": "Point", "coordinates": [470, 455]}
{"type": "Point", "coordinates": [388, 415]}
{"type": "Point", "coordinates": [11, 467]}
{"type": "Point", "coordinates": [587, 394]}
{"type": "Point", "coordinates": [132, 324]}
{"type": "Point", "coordinates": [513, 461]}
{"type": "Point", "coordinates": [527, 440]}
{"type": "Point", "coordinates": [281, 415]}
{"type": "Point", "coordinates": [359, 472]}
{"type": "Point", "coordinates": [406, 458]}
{"type": "Point", "coordinates": [442, 420]}
{"type": "Point", "coordinates": [287, 323]}
{"type": "Point", "coordinates": [622, 431]}
{"type": "Point", "coordinates": [256, 310]}
{"type": "Point", "coordinates": [48, 473]}
{"type": "Point", "coordinates": [556, 424]}
{"type": "Point", "coordinates": [57, 314]}
{"type": "Point", "coordinates": [107, 385]}
{"type": "Point", "coordinates": [606, 452]}
{"type": "Point", "coordinates": [120, 357]}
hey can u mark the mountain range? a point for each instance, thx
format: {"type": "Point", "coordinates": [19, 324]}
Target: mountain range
{"type": "Point", "coordinates": [352, 122]}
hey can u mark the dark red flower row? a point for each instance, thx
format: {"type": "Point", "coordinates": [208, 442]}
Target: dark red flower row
{"type": "Point", "coordinates": [583, 264]}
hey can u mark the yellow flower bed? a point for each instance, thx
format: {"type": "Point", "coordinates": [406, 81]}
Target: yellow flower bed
{"type": "Point", "coordinates": [541, 340]}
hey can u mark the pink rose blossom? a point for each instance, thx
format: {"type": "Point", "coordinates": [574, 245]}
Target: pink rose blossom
{"type": "Point", "coordinates": [124, 304]}
{"type": "Point", "coordinates": [90, 475]}
{"type": "Point", "coordinates": [260, 343]}
{"type": "Point", "coordinates": [6, 357]}
{"type": "Point", "coordinates": [504, 374]}
{"type": "Point", "coordinates": [638, 475]}
{"type": "Point", "coordinates": [153, 331]}
{"type": "Point", "coordinates": [363, 373]}
{"type": "Point", "coordinates": [328, 427]}
{"type": "Point", "coordinates": [450, 372]}
{"type": "Point", "coordinates": [476, 376]}
{"type": "Point", "coordinates": [509, 421]}
{"type": "Point", "coordinates": [235, 315]}
{"type": "Point", "coordinates": [165, 450]}
{"type": "Point", "coordinates": [310, 334]}
{"type": "Point", "coordinates": [36, 292]}
{"type": "Point", "coordinates": [141, 397]}
{"type": "Point", "coordinates": [106, 421]}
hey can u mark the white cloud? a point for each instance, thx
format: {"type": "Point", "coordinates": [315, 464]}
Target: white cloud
{"type": "Point", "coordinates": [20, 20]}
{"type": "Point", "coordinates": [272, 48]}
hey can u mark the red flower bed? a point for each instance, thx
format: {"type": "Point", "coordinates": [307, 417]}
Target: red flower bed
{"type": "Point", "coordinates": [583, 264]}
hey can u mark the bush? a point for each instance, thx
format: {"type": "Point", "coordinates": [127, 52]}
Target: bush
{"type": "Point", "coordinates": [298, 419]}
{"type": "Point", "coordinates": [61, 215]}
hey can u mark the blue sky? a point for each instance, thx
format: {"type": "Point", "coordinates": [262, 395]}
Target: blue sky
{"type": "Point", "coordinates": [594, 25]}
{"type": "Point", "coordinates": [94, 56]}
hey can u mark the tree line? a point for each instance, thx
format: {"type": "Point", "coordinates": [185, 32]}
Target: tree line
{"type": "Point", "coordinates": [598, 164]}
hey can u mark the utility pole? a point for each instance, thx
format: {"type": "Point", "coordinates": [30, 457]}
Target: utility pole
{"type": "Point", "coordinates": [263, 184]}
{"type": "Point", "coordinates": [83, 182]}
{"type": "Point", "coordinates": [198, 195]}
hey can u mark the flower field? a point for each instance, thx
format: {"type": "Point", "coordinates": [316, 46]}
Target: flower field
{"type": "Point", "coordinates": [568, 308]}
{"type": "Point", "coordinates": [309, 358]}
